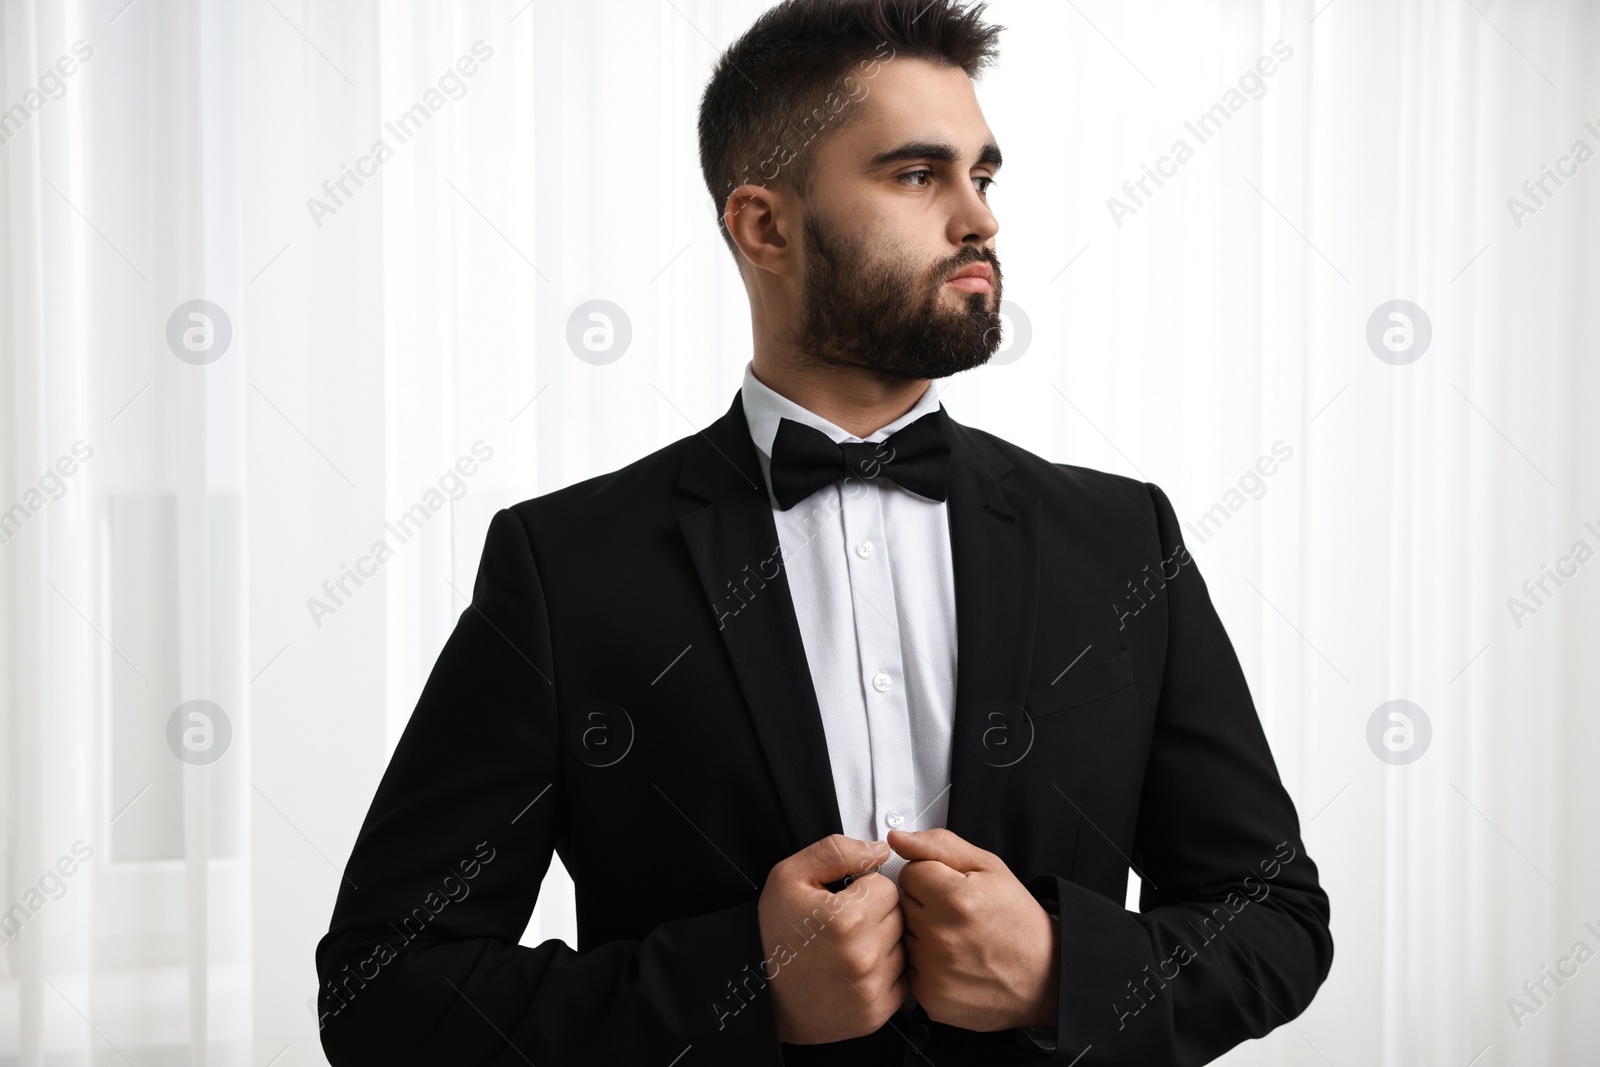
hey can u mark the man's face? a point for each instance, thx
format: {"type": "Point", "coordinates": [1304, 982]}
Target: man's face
{"type": "Point", "coordinates": [897, 208]}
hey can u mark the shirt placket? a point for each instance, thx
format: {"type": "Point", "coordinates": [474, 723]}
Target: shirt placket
{"type": "Point", "coordinates": [883, 679]}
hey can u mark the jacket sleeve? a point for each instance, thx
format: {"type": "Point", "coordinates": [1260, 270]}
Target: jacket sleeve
{"type": "Point", "coordinates": [421, 963]}
{"type": "Point", "coordinates": [1232, 935]}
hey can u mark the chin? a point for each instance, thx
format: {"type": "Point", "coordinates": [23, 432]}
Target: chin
{"type": "Point", "coordinates": [937, 373]}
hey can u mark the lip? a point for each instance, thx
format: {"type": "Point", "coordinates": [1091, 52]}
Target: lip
{"type": "Point", "coordinates": [976, 270]}
{"type": "Point", "coordinates": [976, 278]}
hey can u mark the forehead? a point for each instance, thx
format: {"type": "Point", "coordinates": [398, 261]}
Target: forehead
{"type": "Point", "coordinates": [915, 99]}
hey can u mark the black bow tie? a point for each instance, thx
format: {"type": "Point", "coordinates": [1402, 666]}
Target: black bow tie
{"type": "Point", "coordinates": [916, 456]}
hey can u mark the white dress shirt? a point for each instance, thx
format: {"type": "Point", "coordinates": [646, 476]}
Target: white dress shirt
{"type": "Point", "coordinates": [873, 584]}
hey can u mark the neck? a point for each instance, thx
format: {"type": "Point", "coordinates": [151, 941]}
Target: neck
{"type": "Point", "coordinates": [857, 399]}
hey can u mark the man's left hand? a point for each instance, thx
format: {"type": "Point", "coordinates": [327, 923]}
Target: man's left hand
{"type": "Point", "coordinates": [981, 951]}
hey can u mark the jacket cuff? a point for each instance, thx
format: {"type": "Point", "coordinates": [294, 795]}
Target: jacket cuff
{"type": "Point", "coordinates": [1102, 947]}
{"type": "Point", "coordinates": [1044, 1037]}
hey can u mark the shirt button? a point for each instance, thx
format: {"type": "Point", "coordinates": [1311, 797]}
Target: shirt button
{"type": "Point", "coordinates": [864, 550]}
{"type": "Point", "coordinates": [881, 682]}
{"type": "Point", "coordinates": [894, 818]}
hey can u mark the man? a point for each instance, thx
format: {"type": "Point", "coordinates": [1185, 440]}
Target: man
{"type": "Point", "coordinates": [723, 682]}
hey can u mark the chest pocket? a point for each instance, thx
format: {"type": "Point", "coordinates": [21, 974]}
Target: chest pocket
{"type": "Point", "coordinates": [1084, 683]}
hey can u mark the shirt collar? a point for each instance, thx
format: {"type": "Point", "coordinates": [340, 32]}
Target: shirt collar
{"type": "Point", "coordinates": [764, 406]}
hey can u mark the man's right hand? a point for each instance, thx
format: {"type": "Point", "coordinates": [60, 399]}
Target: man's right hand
{"type": "Point", "coordinates": [840, 964]}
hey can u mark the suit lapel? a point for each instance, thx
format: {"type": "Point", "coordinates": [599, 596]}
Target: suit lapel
{"type": "Point", "coordinates": [733, 541]}
{"type": "Point", "coordinates": [994, 546]}
{"type": "Point", "coordinates": [994, 541]}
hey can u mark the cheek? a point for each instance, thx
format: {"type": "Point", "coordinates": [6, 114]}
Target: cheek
{"type": "Point", "coordinates": [890, 237]}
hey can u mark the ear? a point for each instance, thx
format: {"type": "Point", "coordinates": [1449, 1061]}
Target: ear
{"type": "Point", "coordinates": [764, 223]}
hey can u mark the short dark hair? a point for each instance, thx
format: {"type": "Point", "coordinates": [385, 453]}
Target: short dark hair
{"type": "Point", "coordinates": [791, 81]}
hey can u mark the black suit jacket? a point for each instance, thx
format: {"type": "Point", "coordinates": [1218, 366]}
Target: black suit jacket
{"type": "Point", "coordinates": [629, 690]}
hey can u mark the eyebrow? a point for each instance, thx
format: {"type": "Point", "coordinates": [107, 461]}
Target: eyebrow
{"type": "Point", "coordinates": [939, 151]}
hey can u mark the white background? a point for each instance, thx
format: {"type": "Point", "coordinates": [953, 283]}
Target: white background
{"type": "Point", "coordinates": [371, 347]}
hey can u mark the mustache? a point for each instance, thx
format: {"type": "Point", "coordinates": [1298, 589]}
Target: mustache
{"type": "Point", "coordinates": [966, 258]}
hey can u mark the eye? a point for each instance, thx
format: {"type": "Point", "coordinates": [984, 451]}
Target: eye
{"type": "Point", "coordinates": [988, 182]}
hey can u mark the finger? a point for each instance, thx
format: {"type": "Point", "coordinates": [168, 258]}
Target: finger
{"type": "Point", "coordinates": [910, 892]}
{"type": "Point", "coordinates": [835, 856]}
{"type": "Point", "coordinates": [896, 996]}
{"type": "Point", "coordinates": [900, 932]}
{"type": "Point", "coordinates": [886, 898]}
{"type": "Point", "coordinates": [894, 961]}
{"type": "Point", "coordinates": [914, 920]}
{"type": "Point", "coordinates": [872, 896]}
{"type": "Point", "coordinates": [884, 944]}
{"type": "Point", "coordinates": [890, 970]}
{"type": "Point", "coordinates": [943, 845]}
{"type": "Point", "coordinates": [922, 882]}
{"type": "Point", "coordinates": [893, 918]}
{"type": "Point", "coordinates": [889, 1000]}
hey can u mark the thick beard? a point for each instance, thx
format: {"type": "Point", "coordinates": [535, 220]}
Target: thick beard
{"type": "Point", "coordinates": [886, 316]}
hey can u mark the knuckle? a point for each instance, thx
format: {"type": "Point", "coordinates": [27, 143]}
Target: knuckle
{"type": "Point", "coordinates": [956, 898]}
{"type": "Point", "coordinates": [860, 959]}
{"type": "Point", "coordinates": [965, 901]}
{"type": "Point", "coordinates": [830, 848]}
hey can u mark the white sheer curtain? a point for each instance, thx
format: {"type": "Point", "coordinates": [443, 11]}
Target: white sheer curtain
{"type": "Point", "coordinates": [182, 523]}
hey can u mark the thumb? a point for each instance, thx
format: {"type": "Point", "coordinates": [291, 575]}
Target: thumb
{"type": "Point", "coordinates": [836, 855]}
{"type": "Point", "coordinates": [940, 844]}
